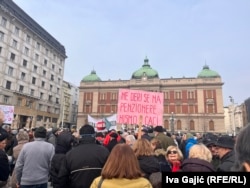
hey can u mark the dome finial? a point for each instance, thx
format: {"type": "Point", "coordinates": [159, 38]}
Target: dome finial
{"type": "Point", "coordinates": [146, 61]}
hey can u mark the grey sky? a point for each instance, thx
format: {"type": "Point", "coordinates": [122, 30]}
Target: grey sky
{"type": "Point", "coordinates": [178, 37]}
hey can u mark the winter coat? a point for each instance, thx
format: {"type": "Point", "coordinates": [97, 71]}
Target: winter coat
{"type": "Point", "coordinates": [196, 165]}
{"type": "Point", "coordinates": [226, 162]}
{"type": "Point", "coordinates": [82, 164]}
{"type": "Point", "coordinates": [122, 182]}
{"type": "Point", "coordinates": [148, 164]}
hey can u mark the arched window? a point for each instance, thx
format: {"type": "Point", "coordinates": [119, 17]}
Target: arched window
{"type": "Point", "coordinates": [211, 125]}
{"type": "Point", "coordinates": [191, 125]}
{"type": "Point", "coordinates": [179, 125]}
{"type": "Point", "coordinates": [166, 124]}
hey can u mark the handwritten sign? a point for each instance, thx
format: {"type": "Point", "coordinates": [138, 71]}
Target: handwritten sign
{"type": "Point", "coordinates": [135, 103]}
{"type": "Point", "coordinates": [8, 113]}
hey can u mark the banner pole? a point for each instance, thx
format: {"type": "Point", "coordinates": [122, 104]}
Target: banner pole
{"type": "Point", "coordinates": [140, 127]}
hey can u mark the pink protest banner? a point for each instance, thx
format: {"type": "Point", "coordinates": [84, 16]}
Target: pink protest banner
{"type": "Point", "coordinates": [135, 103]}
{"type": "Point", "coordinates": [8, 113]}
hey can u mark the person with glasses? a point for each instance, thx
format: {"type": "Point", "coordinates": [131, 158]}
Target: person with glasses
{"type": "Point", "coordinates": [209, 141]}
{"type": "Point", "coordinates": [174, 156]}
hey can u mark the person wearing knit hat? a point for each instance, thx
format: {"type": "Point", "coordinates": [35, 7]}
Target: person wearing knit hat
{"type": "Point", "coordinates": [85, 162]}
{"type": "Point", "coordinates": [224, 148]}
{"type": "Point", "coordinates": [35, 159]}
{"type": "Point", "coordinates": [164, 139]}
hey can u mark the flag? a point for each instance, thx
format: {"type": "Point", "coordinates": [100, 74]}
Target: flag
{"type": "Point", "coordinates": [107, 123]}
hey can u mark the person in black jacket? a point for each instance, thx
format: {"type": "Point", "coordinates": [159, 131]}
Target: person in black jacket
{"type": "Point", "coordinates": [63, 145]}
{"type": "Point", "coordinates": [84, 162]}
{"type": "Point", "coordinates": [224, 147]}
{"type": "Point", "coordinates": [4, 163]}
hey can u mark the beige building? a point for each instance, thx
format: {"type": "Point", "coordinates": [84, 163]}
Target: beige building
{"type": "Point", "coordinates": [69, 105]}
{"type": "Point", "coordinates": [31, 68]}
{"type": "Point", "coordinates": [190, 104]}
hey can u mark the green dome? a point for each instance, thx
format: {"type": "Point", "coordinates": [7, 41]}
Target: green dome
{"type": "Point", "coordinates": [92, 77]}
{"type": "Point", "coordinates": [207, 73]}
{"type": "Point", "coordinates": [145, 71]}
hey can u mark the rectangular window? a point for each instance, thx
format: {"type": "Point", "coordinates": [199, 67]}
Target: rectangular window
{"type": "Point", "coordinates": [177, 95]}
{"type": "Point", "coordinates": [52, 77]}
{"type": "Point", "coordinates": [210, 108]}
{"type": "Point", "coordinates": [51, 87]}
{"type": "Point", "coordinates": [16, 31]}
{"type": "Point", "coordinates": [10, 71]}
{"type": "Point", "coordinates": [38, 45]}
{"type": "Point", "coordinates": [60, 71]}
{"type": "Point", "coordinates": [47, 51]}
{"type": "Point", "coordinates": [166, 95]}
{"type": "Point", "coordinates": [35, 68]}
{"type": "Point", "coordinates": [43, 84]}
{"type": "Point", "coordinates": [0, 49]}
{"type": "Point", "coordinates": [33, 80]}
{"type": "Point", "coordinates": [1, 35]}
{"type": "Point", "coordinates": [21, 89]}
{"type": "Point", "coordinates": [8, 85]}
{"type": "Point", "coordinates": [191, 95]}
{"type": "Point", "coordinates": [45, 62]}
{"type": "Point", "coordinates": [4, 22]}
{"type": "Point", "coordinates": [6, 99]}
{"type": "Point", "coordinates": [14, 43]}
{"type": "Point", "coordinates": [12, 57]}
{"type": "Point", "coordinates": [53, 67]}
{"type": "Point", "coordinates": [25, 62]}
{"type": "Point", "coordinates": [28, 39]}
{"type": "Point", "coordinates": [166, 109]}
{"type": "Point", "coordinates": [57, 100]}
{"type": "Point", "coordinates": [58, 90]}
{"type": "Point", "coordinates": [59, 80]}
{"type": "Point", "coordinates": [50, 98]}
{"type": "Point", "coordinates": [26, 51]}
{"type": "Point", "coordinates": [22, 76]}
{"type": "Point", "coordinates": [102, 96]}
{"type": "Point", "coordinates": [32, 92]}
{"type": "Point", "coordinates": [44, 73]}
{"type": "Point", "coordinates": [41, 95]}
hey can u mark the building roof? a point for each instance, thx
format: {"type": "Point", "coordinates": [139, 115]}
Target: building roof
{"type": "Point", "coordinates": [92, 77]}
{"type": "Point", "coordinates": [207, 73]}
{"type": "Point", "coordinates": [145, 71]}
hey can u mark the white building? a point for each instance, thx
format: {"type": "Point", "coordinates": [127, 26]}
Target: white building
{"type": "Point", "coordinates": [31, 68]}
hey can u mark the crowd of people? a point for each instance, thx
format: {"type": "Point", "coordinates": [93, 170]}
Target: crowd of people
{"type": "Point", "coordinates": [84, 158]}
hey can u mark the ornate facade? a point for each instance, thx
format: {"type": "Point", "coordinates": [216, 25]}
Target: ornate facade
{"type": "Point", "coordinates": [190, 104]}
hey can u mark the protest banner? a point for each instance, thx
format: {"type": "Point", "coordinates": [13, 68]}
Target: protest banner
{"type": "Point", "coordinates": [8, 112]}
{"type": "Point", "coordinates": [135, 103]}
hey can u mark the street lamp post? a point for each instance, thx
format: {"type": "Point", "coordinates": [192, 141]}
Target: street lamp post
{"type": "Point", "coordinates": [172, 122]}
{"type": "Point", "coordinates": [232, 115]}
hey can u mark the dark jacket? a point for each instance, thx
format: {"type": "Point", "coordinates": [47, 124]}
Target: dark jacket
{"type": "Point", "coordinates": [226, 162]}
{"type": "Point", "coordinates": [148, 165]}
{"type": "Point", "coordinates": [4, 166]}
{"type": "Point", "coordinates": [146, 136]}
{"type": "Point", "coordinates": [82, 164]}
{"type": "Point", "coordinates": [196, 165]}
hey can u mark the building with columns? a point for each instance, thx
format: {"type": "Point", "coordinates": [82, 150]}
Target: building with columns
{"type": "Point", "coordinates": [190, 104]}
{"type": "Point", "coordinates": [31, 68]}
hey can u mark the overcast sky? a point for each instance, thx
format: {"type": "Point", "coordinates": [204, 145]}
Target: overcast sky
{"type": "Point", "coordinates": [178, 36]}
